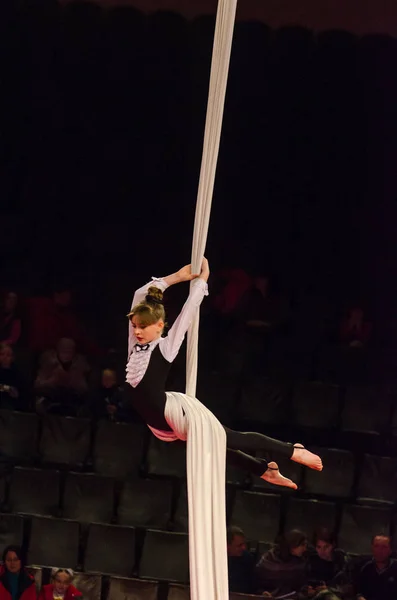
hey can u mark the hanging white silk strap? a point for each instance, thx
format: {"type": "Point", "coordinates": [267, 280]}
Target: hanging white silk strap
{"type": "Point", "coordinates": [216, 101]}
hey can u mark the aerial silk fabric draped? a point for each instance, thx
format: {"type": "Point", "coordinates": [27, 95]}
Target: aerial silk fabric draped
{"type": "Point", "coordinates": [188, 418]}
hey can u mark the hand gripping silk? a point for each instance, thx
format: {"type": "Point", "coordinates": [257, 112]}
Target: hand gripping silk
{"type": "Point", "coordinates": [205, 465]}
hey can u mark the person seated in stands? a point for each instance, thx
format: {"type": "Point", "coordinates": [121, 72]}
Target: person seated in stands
{"type": "Point", "coordinates": [241, 563]}
{"type": "Point", "coordinates": [50, 319]}
{"type": "Point", "coordinates": [327, 562]}
{"type": "Point", "coordinates": [355, 330]}
{"type": "Point", "coordinates": [61, 587]}
{"type": "Point", "coordinates": [377, 578]}
{"type": "Point", "coordinates": [11, 382]}
{"type": "Point", "coordinates": [284, 569]}
{"type": "Point", "coordinates": [108, 400]}
{"type": "Point", "coordinates": [10, 320]}
{"type": "Point", "coordinates": [15, 581]}
{"type": "Point", "coordinates": [61, 384]}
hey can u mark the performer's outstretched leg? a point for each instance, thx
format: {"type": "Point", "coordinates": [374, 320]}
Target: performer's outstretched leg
{"type": "Point", "coordinates": [267, 471]}
{"type": "Point", "coordinates": [253, 442]}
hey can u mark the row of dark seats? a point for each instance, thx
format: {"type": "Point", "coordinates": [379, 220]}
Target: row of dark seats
{"type": "Point", "coordinates": [124, 551]}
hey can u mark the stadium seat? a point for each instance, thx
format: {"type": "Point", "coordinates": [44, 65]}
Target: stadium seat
{"type": "Point", "coordinates": [145, 503]}
{"type": "Point", "coordinates": [337, 477]}
{"type": "Point", "coordinates": [18, 435]}
{"type": "Point", "coordinates": [359, 524]}
{"type": "Point", "coordinates": [167, 459]}
{"type": "Point", "coordinates": [11, 530]}
{"type": "Point", "coordinates": [110, 550]}
{"type": "Point", "coordinates": [88, 498]}
{"type": "Point", "coordinates": [308, 515]}
{"type": "Point", "coordinates": [165, 556]}
{"type": "Point", "coordinates": [131, 589]}
{"type": "Point", "coordinates": [89, 584]}
{"type": "Point", "coordinates": [53, 542]}
{"type": "Point", "coordinates": [378, 480]}
{"type": "Point", "coordinates": [263, 401]}
{"type": "Point", "coordinates": [178, 592]}
{"type": "Point", "coordinates": [181, 522]}
{"type": "Point", "coordinates": [34, 491]}
{"type": "Point", "coordinates": [65, 440]}
{"type": "Point", "coordinates": [257, 514]}
{"type": "Point", "coordinates": [367, 409]}
{"type": "Point", "coordinates": [118, 449]}
{"type": "Point", "coordinates": [315, 405]}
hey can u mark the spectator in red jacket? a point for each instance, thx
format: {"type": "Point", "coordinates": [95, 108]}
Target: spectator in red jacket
{"type": "Point", "coordinates": [15, 582]}
{"type": "Point", "coordinates": [61, 587]}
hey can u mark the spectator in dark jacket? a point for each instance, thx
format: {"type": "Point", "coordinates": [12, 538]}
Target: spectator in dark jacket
{"type": "Point", "coordinates": [11, 382]}
{"type": "Point", "coordinates": [108, 401]}
{"type": "Point", "coordinates": [377, 578]}
{"type": "Point", "coordinates": [241, 563]}
{"type": "Point", "coordinates": [327, 563]}
{"type": "Point", "coordinates": [284, 569]}
{"type": "Point", "coordinates": [15, 582]}
{"type": "Point", "coordinates": [61, 587]}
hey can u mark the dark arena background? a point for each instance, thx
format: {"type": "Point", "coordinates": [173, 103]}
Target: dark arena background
{"type": "Point", "coordinates": [102, 120]}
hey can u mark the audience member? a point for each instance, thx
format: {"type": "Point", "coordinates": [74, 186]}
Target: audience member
{"type": "Point", "coordinates": [61, 587]}
{"type": "Point", "coordinates": [377, 578]}
{"type": "Point", "coordinates": [10, 320]}
{"type": "Point", "coordinates": [50, 319]}
{"type": "Point", "coordinates": [11, 382]}
{"type": "Point", "coordinates": [108, 400]}
{"type": "Point", "coordinates": [355, 331]}
{"type": "Point", "coordinates": [61, 384]}
{"type": "Point", "coordinates": [284, 569]}
{"type": "Point", "coordinates": [241, 563]}
{"type": "Point", "coordinates": [327, 563]}
{"type": "Point", "coordinates": [15, 582]}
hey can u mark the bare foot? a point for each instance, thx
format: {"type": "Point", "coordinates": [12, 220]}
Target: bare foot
{"type": "Point", "coordinates": [273, 475]}
{"type": "Point", "coordinates": [304, 457]}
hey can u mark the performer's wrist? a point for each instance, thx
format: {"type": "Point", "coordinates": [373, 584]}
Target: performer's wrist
{"type": "Point", "coordinates": [172, 279]}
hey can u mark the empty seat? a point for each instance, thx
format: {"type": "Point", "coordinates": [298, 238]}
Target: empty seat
{"type": "Point", "coordinates": [65, 440]}
{"type": "Point", "coordinates": [178, 592]}
{"type": "Point", "coordinates": [11, 530]}
{"type": "Point", "coordinates": [88, 498]}
{"type": "Point", "coordinates": [308, 515]}
{"type": "Point", "coordinates": [337, 477]}
{"type": "Point", "coordinates": [315, 405]}
{"type": "Point", "coordinates": [131, 589]}
{"type": "Point", "coordinates": [89, 584]}
{"type": "Point", "coordinates": [378, 479]}
{"type": "Point", "coordinates": [145, 503]}
{"type": "Point", "coordinates": [257, 514]}
{"type": "Point", "coordinates": [367, 409]}
{"type": "Point", "coordinates": [166, 458]}
{"type": "Point", "coordinates": [165, 556]}
{"type": "Point", "coordinates": [53, 542]}
{"type": "Point", "coordinates": [264, 401]}
{"type": "Point", "coordinates": [34, 491]}
{"type": "Point", "coordinates": [118, 449]}
{"type": "Point", "coordinates": [110, 550]}
{"type": "Point", "coordinates": [18, 435]}
{"type": "Point", "coordinates": [359, 524]}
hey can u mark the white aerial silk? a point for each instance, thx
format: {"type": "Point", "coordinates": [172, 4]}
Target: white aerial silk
{"type": "Point", "coordinates": [205, 436]}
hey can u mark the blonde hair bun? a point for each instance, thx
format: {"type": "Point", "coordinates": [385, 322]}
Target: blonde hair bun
{"type": "Point", "coordinates": [154, 295]}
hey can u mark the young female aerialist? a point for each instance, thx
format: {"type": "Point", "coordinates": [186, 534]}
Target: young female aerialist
{"type": "Point", "coordinates": [149, 360]}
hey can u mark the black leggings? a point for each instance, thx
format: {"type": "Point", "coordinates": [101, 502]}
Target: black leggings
{"type": "Point", "coordinates": [252, 442]}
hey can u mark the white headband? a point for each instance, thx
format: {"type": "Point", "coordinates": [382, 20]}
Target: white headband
{"type": "Point", "coordinates": [54, 572]}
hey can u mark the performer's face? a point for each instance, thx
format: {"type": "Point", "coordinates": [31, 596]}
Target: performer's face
{"type": "Point", "coordinates": [146, 333]}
